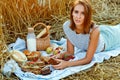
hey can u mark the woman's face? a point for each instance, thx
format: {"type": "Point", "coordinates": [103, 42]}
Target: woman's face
{"type": "Point", "coordinates": [78, 15]}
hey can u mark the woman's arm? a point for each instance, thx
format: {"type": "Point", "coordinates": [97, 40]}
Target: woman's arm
{"type": "Point", "coordinates": [70, 48]}
{"type": "Point", "coordinates": [94, 37]}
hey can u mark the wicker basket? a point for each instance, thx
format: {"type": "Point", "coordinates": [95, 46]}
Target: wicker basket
{"type": "Point", "coordinates": [43, 42]}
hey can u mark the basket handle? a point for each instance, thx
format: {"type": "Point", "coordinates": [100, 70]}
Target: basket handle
{"type": "Point", "coordinates": [45, 31]}
{"type": "Point", "coordinates": [41, 24]}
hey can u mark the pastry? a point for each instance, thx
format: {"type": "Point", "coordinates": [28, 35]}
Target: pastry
{"type": "Point", "coordinates": [53, 61]}
{"type": "Point", "coordinates": [34, 67]}
{"type": "Point", "coordinates": [34, 56]}
{"type": "Point", "coordinates": [32, 63]}
{"type": "Point", "coordinates": [18, 56]}
{"type": "Point", "coordinates": [67, 57]}
{"type": "Point", "coordinates": [45, 59]}
{"type": "Point", "coordinates": [35, 70]}
{"type": "Point", "coordinates": [26, 52]}
{"type": "Point", "coordinates": [46, 70]}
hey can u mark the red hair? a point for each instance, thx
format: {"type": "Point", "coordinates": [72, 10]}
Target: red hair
{"type": "Point", "coordinates": [88, 15]}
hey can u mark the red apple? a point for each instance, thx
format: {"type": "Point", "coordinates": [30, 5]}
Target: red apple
{"type": "Point", "coordinates": [67, 57]}
{"type": "Point", "coordinates": [56, 52]}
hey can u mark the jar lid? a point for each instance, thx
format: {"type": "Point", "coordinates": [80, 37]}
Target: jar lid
{"type": "Point", "coordinates": [30, 30]}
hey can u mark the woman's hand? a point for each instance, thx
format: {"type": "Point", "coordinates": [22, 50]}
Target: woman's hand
{"type": "Point", "coordinates": [63, 64]}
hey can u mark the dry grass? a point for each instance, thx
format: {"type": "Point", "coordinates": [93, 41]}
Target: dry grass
{"type": "Point", "coordinates": [17, 15]}
{"type": "Point", "coordinates": [21, 14]}
{"type": "Point", "coordinates": [106, 11]}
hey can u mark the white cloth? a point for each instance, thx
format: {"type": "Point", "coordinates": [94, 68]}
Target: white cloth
{"type": "Point", "coordinates": [12, 66]}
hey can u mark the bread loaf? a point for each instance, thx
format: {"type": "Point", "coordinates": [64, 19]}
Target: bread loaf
{"type": "Point", "coordinates": [43, 32]}
{"type": "Point", "coordinates": [18, 56]}
{"type": "Point", "coordinates": [53, 61]}
{"type": "Point", "coordinates": [46, 70]}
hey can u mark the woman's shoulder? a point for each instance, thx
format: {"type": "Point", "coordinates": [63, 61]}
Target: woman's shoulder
{"type": "Point", "coordinates": [66, 24]}
{"type": "Point", "coordinates": [95, 29]}
{"type": "Point", "coordinates": [66, 28]}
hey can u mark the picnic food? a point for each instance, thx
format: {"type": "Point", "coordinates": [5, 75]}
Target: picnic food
{"type": "Point", "coordinates": [49, 60]}
{"type": "Point", "coordinates": [26, 52]}
{"type": "Point", "coordinates": [38, 67]}
{"type": "Point", "coordinates": [49, 50]}
{"type": "Point", "coordinates": [46, 70]}
{"type": "Point", "coordinates": [34, 64]}
{"type": "Point", "coordinates": [53, 61]}
{"type": "Point", "coordinates": [34, 67]}
{"type": "Point", "coordinates": [34, 56]}
{"type": "Point", "coordinates": [67, 57]}
{"type": "Point", "coordinates": [45, 59]}
{"type": "Point", "coordinates": [18, 56]}
{"type": "Point", "coordinates": [38, 64]}
{"type": "Point", "coordinates": [57, 50]}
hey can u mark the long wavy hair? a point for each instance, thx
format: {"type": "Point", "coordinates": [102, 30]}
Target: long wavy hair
{"type": "Point", "coordinates": [88, 15]}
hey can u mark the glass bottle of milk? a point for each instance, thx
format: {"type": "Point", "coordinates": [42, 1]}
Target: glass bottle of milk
{"type": "Point", "coordinates": [31, 40]}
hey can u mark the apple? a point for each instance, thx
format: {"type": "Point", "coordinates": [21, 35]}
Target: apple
{"type": "Point", "coordinates": [67, 57]}
{"type": "Point", "coordinates": [49, 50]}
{"type": "Point", "coordinates": [56, 52]}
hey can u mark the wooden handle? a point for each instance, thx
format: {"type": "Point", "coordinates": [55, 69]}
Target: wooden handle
{"type": "Point", "coordinates": [40, 24]}
{"type": "Point", "coordinates": [44, 31]}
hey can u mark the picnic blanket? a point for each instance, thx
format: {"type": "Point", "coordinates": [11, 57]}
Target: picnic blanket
{"type": "Point", "coordinates": [12, 67]}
